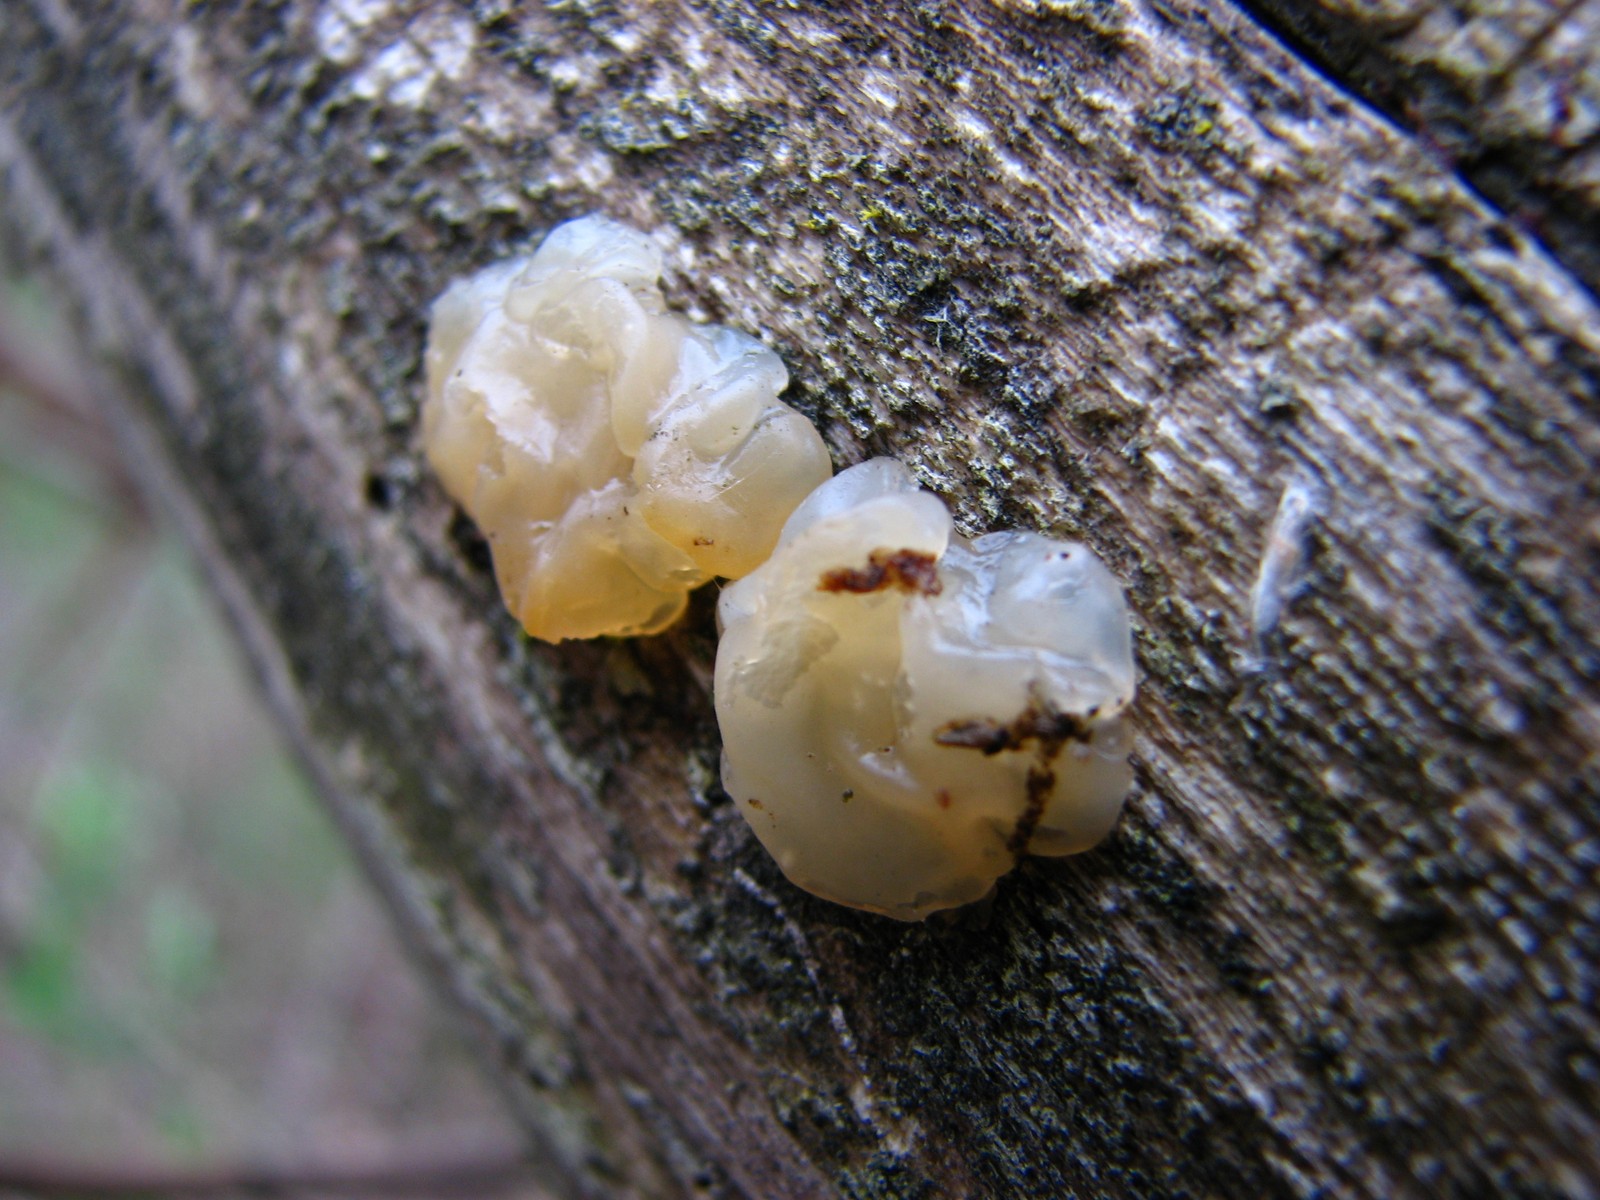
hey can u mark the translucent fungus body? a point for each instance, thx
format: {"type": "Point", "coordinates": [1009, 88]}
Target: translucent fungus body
{"type": "Point", "coordinates": [615, 455]}
{"type": "Point", "coordinates": [906, 712]}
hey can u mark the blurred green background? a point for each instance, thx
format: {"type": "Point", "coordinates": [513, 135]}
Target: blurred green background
{"type": "Point", "coordinates": [191, 969]}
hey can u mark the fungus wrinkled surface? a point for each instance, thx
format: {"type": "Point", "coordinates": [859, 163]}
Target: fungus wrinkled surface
{"type": "Point", "coordinates": [614, 454]}
{"type": "Point", "coordinates": [905, 712]}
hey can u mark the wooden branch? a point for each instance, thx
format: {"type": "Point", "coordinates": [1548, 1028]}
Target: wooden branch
{"type": "Point", "coordinates": [64, 418]}
{"type": "Point", "coordinates": [472, 1174]}
{"type": "Point", "coordinates": [1126, 271]}
{"type": "Point", "coordinates": [1508, 95]}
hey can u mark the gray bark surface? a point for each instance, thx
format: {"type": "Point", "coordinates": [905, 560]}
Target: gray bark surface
{"type": "Point", "coordinates": [1506, 94]}
{"type": "Point", "coordinates": [1128, 271]}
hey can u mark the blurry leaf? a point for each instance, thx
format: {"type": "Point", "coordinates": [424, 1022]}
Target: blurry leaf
{"type": "Point", "coordinates": [41, 984]}
{"type": "Point", "coordinates": [42, 988]}
{"type": "Point", "coordinates": [82, 819]}
{"type": "Point", "coordinates": [272, 835]}
{"type": "Point", "coordinates": [180, 943]}
{"type": "Point", "coordinates": [38, 522]}
{"type": "Point", "coordinates": [181, 1128]}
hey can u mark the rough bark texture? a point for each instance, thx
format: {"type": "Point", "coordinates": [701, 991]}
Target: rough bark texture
{"type": "Point", "coordinates": [1506, 93]}
{"type": "Point", "coordinates": [1123, 270]}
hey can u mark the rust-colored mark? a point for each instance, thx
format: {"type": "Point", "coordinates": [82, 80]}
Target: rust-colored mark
{"type": "Point", "coordinates": [1041, 782]}
{"type": "Point", "coordinates": [753, 802]}
{"type": "Point", "coordinates": [908, 570]}
{"type": "Point", "coordinates": [989, 736]}
{"type": "Point", "coordinates": [1038, 722]}
{"type": "Point", "coordinates": [705, 541]}
{"type": "Point", "coordinates": [944, 797]}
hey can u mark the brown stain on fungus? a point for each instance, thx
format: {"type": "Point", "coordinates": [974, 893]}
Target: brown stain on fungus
{"type": "Point", "coordinates": [1041, 782]}
{"type": "Point", "coordinates": [1049, 728]}
{"type": "Point", "coordinates": [909, 570]}
{"type": "Point", "coordinates": [1038, 722]}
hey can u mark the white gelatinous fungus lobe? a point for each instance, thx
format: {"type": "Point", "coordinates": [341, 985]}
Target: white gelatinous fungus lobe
{"type": "Point", "coordinates": [615, 455]}
{"type": "Point", "coordinates": [905, 713]}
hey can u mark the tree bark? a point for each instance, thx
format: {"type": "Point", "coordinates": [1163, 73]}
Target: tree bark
{"type": "Point", "coordinates": [1129, 271]}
